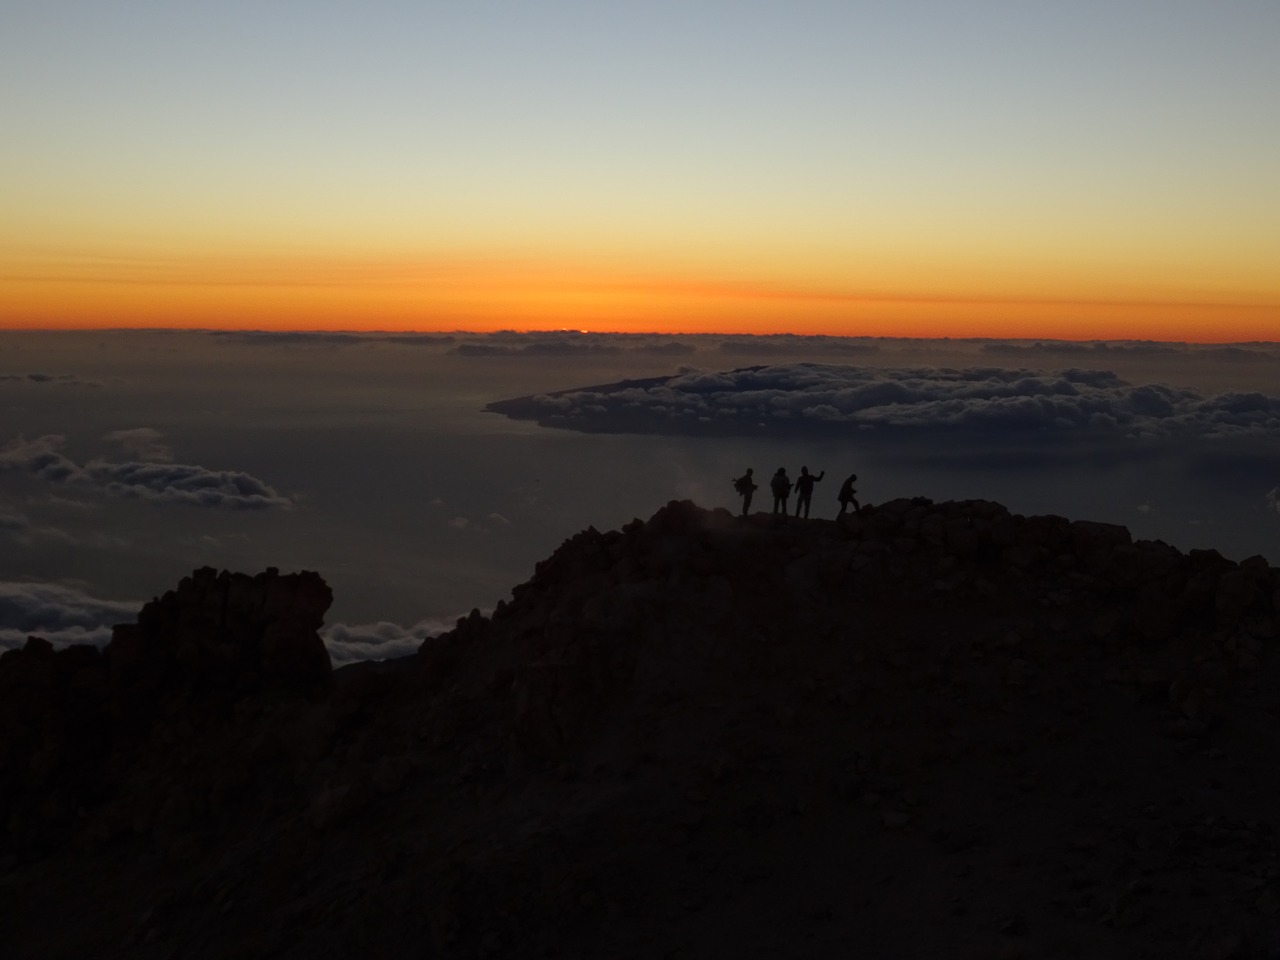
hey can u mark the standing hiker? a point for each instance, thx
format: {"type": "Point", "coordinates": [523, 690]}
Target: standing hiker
{"type": "Point", "coordinates": [804, 489]}
{"type": "Point", "coordinates": [745, 486]}
{"type": "Point", "coordinates": [781, 487]}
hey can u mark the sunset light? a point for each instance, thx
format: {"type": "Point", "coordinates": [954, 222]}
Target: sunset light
{"type": "Point", "coordinates": [348, 294]}
{"type": "Point", "coordinates": [695, 169]}
{"type": "Point", "coordinates": [639, 478]}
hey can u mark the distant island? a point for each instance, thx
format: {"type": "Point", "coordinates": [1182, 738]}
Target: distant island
{"type": "Point", "coordinates": [930, 729]}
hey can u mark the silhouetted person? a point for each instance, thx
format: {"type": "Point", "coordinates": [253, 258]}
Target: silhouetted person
{"type": "Point", "coordinates": [745, 486]}
{"type": "Point", "coordinates": [804, 489]}
{"type": "Point", "coordinates": [781, 487]}
{"type": "Point", "coordinates": [846, 496]}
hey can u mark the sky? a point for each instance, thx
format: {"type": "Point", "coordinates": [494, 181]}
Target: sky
{"type": "Point", "coordinates": [1103, 169]}
{"type": "Point", "coordinates": [130, 458]}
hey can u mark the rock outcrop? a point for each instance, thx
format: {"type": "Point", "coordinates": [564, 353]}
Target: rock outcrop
{"type": "Point", "coordinates": [93, 743]}
{"type": "Point", "coordinates": [928, 730]}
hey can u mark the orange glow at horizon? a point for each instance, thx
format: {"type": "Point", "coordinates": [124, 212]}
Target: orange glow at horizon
{"type": "Point", "coordinates": [403, 293]}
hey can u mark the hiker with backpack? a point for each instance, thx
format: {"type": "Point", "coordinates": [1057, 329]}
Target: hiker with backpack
{"type": "Point", "coordinates": [846, 496]}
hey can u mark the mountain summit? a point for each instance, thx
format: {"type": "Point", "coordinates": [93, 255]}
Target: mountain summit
{"type": "Point", "coordinates": [930, 729]}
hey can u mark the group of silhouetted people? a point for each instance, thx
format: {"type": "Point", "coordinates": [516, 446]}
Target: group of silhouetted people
{"type": "Point", "coordinates": [780, 486]}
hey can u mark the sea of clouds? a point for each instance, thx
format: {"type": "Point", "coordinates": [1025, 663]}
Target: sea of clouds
{"type": "Point", "coordinates": [816, 398]}
{"type": "Point", "coordinates": [149, 479]}
{"type": "Point", "coordinates": [66, 615]}
{"type": "Point", "coordinates": [385, 474]}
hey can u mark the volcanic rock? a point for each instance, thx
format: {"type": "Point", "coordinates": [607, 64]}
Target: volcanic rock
{"type": "Point", "coordinates": [929, 729]}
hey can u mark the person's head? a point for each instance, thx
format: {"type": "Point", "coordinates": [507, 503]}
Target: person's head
{"type": "Point", "coordinates": [748, 471]}
{"type": "Point", "coordinates": [805, 471]}
{"type": "Point", "coordinates": [781, 470]}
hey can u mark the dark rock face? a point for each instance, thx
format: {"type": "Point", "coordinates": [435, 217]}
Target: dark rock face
{"type": "Point", "coordinates": [226, 632]}
{"type": "Point", "coordinates": [931, 730]}
{"type": "Point", "coordinates": [89, 738]}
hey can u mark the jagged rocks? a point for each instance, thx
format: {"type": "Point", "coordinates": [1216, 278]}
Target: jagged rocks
{"type": "Point", "coordinates": [930, 729]}
{"type": "Point", "coordinates": [94, 744]}
{"type": "Point", "coordinates": [227, 630]}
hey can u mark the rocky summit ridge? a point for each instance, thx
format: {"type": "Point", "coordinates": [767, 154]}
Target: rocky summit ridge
{"type": "Point", "coordinates": [927, 730]}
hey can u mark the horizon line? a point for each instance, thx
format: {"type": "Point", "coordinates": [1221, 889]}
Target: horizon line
{"type": "Point", "coordinates": [578, 332]}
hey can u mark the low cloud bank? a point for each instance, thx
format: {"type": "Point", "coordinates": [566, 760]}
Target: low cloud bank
{"type": "Point", "coordinates": [66, 616]}
{"type": "Point", "coordinates": [138, 479]}
{"type": "Point", "coordinates": [62, 615]}
{"type": "Point", "coordinates": [1103, 350]}
{"type": "Point", "coordinates": [59, 379]}
{"type": "Point", "coordinates": [323, 338]}
{"type": "Point", "coordinates": [12, 519]}
{"type": "Point", "coordinates": [550, 344]}
{"type": "Point", "coordinates": [539, 348]}
{"type": "Point", "coordinates": [781, 345]}
{"type": "Point", "coordinates": [840, 400]}
{"type": "Point", "coordinates": [145, 443]}
{"type": "Point", "coordinates": [575, 344]}
{"type": "Point", "coordinates": [351, 643]}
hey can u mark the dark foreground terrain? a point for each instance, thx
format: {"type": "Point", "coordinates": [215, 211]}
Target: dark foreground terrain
{"type": "Point", "coordinates": [937, 730]}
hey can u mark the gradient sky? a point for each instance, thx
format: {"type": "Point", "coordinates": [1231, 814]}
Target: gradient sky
{"type": "Point", "coordinates": [994, 168]}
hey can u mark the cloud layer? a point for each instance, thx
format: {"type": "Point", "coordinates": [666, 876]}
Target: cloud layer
{"type": "Point", "coordinates": [349, 643]}
{"type": "Point", "coordinates": [66, 616]}
{"type": "Point", "coordinates": [63, 379]}
{"type": "Point", "coordinates": [145, 443]}
{"type": "Point", "coordinates": [570, 344]}
{"type": "Point", "coordinates": [840, 400]}
{"type": "Point", "coordinates": [314, 338]}
{"type": "Point", "coordinates": [774, 347]}
{"type": "Point", "coordinates": [62, 615]}
{"type": "Point", "coordinates": [143, 480]}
